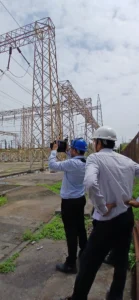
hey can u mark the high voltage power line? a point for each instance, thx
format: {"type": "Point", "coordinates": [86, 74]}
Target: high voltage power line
{"type": "Point", "coordinates": [9, 13]}
{"type": "Point", "coordinates": [18, 26]}
{"type": "Point", "coordinates": [11, 97]}
{"type": "Point", "coordinates": [7, 75]}
{"type": "Point", "coordinates": [19, 84]}
{"type": "Point", "coordinates": [21, 66]}
{"type": "Point", "coordinates": [16, 82]}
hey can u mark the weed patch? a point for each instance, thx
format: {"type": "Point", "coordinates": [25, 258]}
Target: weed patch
{"type": "Point", "coordinates": [136, 188]}
{"type": "Point", "coordinates": [136, 213]}
{"type": "Point", "coordinates": [3, 200]}
{"type": "Point", "coordinates": [53, 230]}
{"type": "Point", "coordinates": [131, 256]}
{"type": "Point", "coordinates": [88, 225]}
{"type": "Point", "coordinates": [9, 265]}
{"type": "Point", "coordinates": [53, 187]}
{"type": "Point", "coordinates": [136, 195]}
{"type": "Point", "coordinates": [27, 235]}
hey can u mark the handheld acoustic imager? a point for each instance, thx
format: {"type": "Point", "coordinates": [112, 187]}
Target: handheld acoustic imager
{"type": "Point", "coordinates": [62, 145]}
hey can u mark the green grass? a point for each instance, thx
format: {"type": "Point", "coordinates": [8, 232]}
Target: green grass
{"type": "Point", "coordinates": [135, 195]}
{"type": "Point", "coordinates": [56, 187]}
{"type": "Point", "coordinates": [136, 213]}
{"type": "Point", "coordinates": [136, 188]}
{"type": "Point", "coordinates": [3, 200]}
{"type": "Point", "coordinates": [9, 265]}
{"type": "Point", "coordinates": [88, 224]}
{"type": "Point", "coordinates": [132, 257]}
{"type": "Point", "coordinates": [53, 230]}
{"type": "Point", "coordinates": [53, 187]}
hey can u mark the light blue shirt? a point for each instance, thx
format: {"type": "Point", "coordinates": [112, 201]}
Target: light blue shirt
{"type": "Point", "coordinates": [109, 178]}
{"type": "Point", "coordinates": [74, 171]}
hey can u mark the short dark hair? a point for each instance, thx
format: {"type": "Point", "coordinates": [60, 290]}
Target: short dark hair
{"type": "Point", "coordinates": [107, 144]}
{"type": "Point", "coordinates": [81, 152]}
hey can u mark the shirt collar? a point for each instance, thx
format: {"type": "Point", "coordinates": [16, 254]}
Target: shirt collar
{"type": "Point", "coordinates": [79, 156]}
{"type": "Point", "coordinates": [106, 150]}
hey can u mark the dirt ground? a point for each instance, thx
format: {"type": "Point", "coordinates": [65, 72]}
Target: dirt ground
{"type": "Point", "coordinates": [35, 277]}
{"type": "Point", "coordinates": [28, 206]}
{"type": "Point", "coordinates": [7, 168]}
{"type": "Point", "coordinates": [33, 179]}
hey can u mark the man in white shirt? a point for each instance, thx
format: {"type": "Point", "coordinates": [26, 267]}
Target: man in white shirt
{"type": "Point", "coordinates": [109, 179]}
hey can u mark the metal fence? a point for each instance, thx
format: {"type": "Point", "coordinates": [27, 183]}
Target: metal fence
{"type": "Point", "coordinates": [132, 149]}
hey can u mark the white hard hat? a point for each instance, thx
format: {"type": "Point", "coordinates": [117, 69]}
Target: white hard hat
{"type": "Point", "coordinates": [105, 133]}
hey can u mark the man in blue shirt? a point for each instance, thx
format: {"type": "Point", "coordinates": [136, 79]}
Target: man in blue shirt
{"type": "Point", "coordinates": [73, 200]}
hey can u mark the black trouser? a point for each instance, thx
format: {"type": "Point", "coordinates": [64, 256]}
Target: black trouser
{"type": "Point", "coordinates": [72, 211]}
{"type": "Point", "coordinates": [112, 254]}
{"type": "Point", "coordinates": [105, 235]}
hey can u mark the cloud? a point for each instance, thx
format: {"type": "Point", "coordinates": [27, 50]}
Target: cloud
{"type": "Point", "coordinates": [97, 50]}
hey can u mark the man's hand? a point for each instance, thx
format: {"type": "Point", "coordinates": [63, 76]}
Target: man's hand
{"type": "Point", "coordinates": [109, 207]}
{"type": "Point", "coordinates": [132, 203]}
{"type": "Point", "coordinates": [67, 148]}
{"type": "Point", "coordinates": [55, 146]}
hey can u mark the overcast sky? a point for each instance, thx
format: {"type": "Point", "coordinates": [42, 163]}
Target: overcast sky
{"type": "Point", "coordinates": [97, 50]}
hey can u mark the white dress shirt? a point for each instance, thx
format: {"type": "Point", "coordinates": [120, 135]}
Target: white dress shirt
{"type": "Point", "coordinates": [109, 178]}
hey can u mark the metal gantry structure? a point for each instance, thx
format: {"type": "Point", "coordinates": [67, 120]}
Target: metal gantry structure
{"type": "Point", "coordinates": [8, 133]}
{"type": "Point", "coordinates": [72, 105]}
{"type": "Point", "coordinates": [55, 105]}
{"type": "Point", "coordinates": [99, 112]}
{"type": "Point", "coordinates": [25, 130]}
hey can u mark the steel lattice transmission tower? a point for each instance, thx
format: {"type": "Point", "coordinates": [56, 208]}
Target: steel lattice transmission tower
{"type": "Point", "coordinates": [45, 79]}
{"type": "Point", "coordinates": [25, 134]}
{"type": "Point", "coordinates": [89, 126]}
{"type": "Point", "coordinates": [67, 109]}
{"type": "Point", "coordinates": [99, 112]}
{"type": "Point", "coordinates": [71, 106]}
